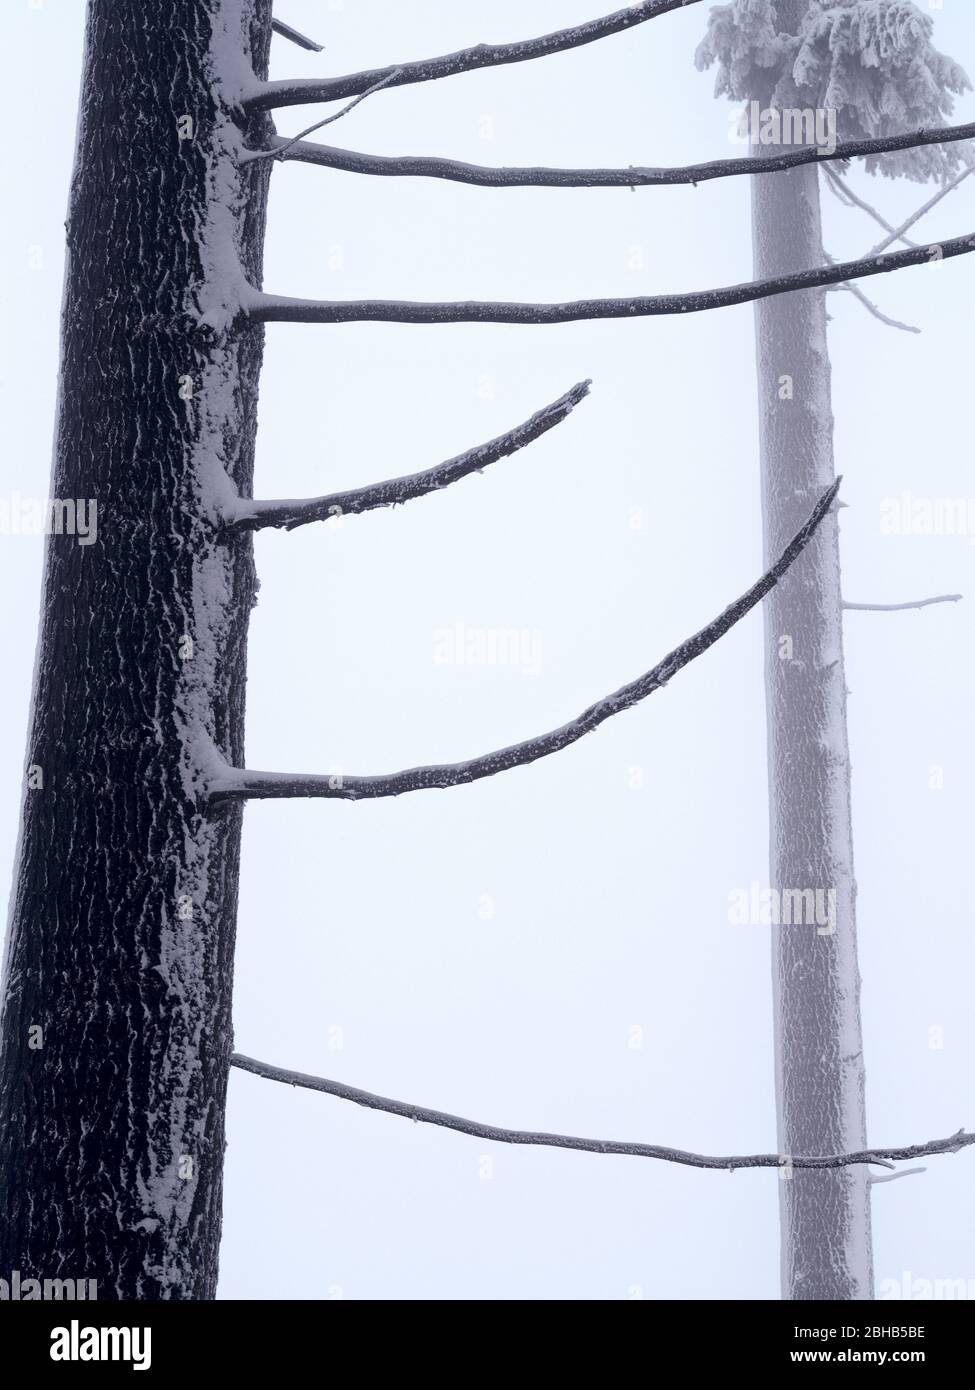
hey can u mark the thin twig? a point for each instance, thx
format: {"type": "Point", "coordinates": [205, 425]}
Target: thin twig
{"type": "Point", "coordinates": [272, 308]}
{"type": "Point", "coordinates": [873, 1178]}
{"type": "Point", "coordinates": [899, 607]}
{"type": "Point", "coordinates": [250, 514]}
{"type": "Point", "coordinates": [279, 152]}
{"type": "Point", "coordinates": [632, 176]}
{"type": "Point", "coordinates": [286, 32]}
{"type": "Point", "coordinates": [896, 234]}
{"type": "Point", "coordinates": [238, 784]}
{"type": "Point", "coordinates": [421, 1114]}
{"type": "Point", "coordinates": [296, 91]}
{"type": "Point", "coordinates": [869, 305]}
{"type": "Point", "coordinates": [854, 201]}
{"type": "Point", "coordinates": [838, 189]}
{"type": "Point", "coordinates": [922, 211]}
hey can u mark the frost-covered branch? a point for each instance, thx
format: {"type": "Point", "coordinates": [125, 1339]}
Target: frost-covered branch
{"type": "Point", "coordinates": [279, 150]}
{"type": "Point", "coordinates": [286, 32]}
{"type": "Point", "coordinates": [632, 176]}
{"type": "Point", "coordinates": [872, 308]}
{"type": "Point", "coordinates": [900, 607]}
{"type": "Point", "coordinates": [851, 199]}
{"type": "Point", "coordinates": [923, 211]}
{"type": "Point", "coordinates": [873, 1178]}
{"type": "Point", "coordinates": [299, 91]}
{"type": "Point", "coordinates": [477, 1130]}
{"type": "Point", "coordinates": [239, 784]}
{"type": "Point", "coordinates": [249, 514]}
{"type": "Point", "coordinates": [272, 308]}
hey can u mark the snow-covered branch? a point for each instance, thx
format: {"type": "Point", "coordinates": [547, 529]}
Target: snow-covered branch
{"type": "Point", "coordinates": [286, 32]}
{"type": "Point", "coordinates": [272, 308]}
{"type": "Point", "coordinates": [299, 91]}
{"type": "Point", "coordinates": [249, 514]}
{"type": "Point", "coordinates": [900, 607]}
{"type": "Point", "coordinates": [892, 1177]}
{"type": "Point", "coordinates": [239, 784]}
{"type": "Point", "coordinates": [872, 308]}
{"type": "Point", "coordinates": [632, 176]}
{"type": "Point", "coordinates": [477, 1130]}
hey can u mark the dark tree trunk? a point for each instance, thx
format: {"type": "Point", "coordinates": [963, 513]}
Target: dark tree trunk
{"type": "Point", "coordinates": [826, 1239]}
{"type": "Point", "coordinates": [122, 929]}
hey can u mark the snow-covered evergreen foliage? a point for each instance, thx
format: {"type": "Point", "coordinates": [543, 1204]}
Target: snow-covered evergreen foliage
{"type": "Point", "coordinates": [872, 61]}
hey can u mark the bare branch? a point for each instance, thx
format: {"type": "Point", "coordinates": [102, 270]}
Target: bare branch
{"type": "Point", "coordinates": [922, 211]}
{"type": "Point", "coordinates": [869, 305]}
{"type": "Point", "coordinates": [421, 1114]}
{"type": "Point", "coordinates": [298, 91]}
{"type": "Point", "coordinates": [278, 152]}
{"type": "Point", "coordinates": [899, 607]}
{"type": "Point", "coordinates": [843, 190]}
{"type": "Point", "coordinates": [632, 176]}
{"type": "Point", "coordinates": [250, 514]}
{"type": "Point", "coordinates": [286, 32]}
{"type": "Point", "coordinates": [892, 1177]}
{"type": "Point", "coordinates": [270, 308]}
{"type": "Point", "coordinates": [838, 189]}
{"type": "Point", "coordinates": [238, 784]}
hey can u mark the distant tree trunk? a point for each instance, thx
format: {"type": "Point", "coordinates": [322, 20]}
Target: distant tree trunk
{"type": "Point", "coordinates": [826, 1240]}
{"type": "Point", "coordinates": [116, 1022]}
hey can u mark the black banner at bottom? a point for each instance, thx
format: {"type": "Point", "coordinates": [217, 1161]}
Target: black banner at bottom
{"type": "Point", "coordinates": [170, 1339]}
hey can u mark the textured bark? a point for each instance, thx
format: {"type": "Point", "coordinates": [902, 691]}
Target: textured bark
{"type": "Point", "coordinates": [826, 1241]}
{"type": "Point", "coordinates": [122, 929]}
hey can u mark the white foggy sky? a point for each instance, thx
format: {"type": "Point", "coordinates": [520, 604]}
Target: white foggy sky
{"type": "Point", "coordinates": [610, 905]}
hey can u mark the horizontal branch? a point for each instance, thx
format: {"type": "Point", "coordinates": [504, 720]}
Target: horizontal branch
{"type": "Point", "coordinates": [899, 607]}
{"type": "Point", "coordinates": [249, 514]}
{"type": "Point", "coordinates": [421, 1114]}
{"type": "Point", "coordinates": [631, 176]}
{"type": "Point", "coordinates": [271, 308]}
{"type": "Point", "coordinates": [239, 784]}
{"type": "Point", "coordinates": [299, 91]}
{"type": "Point", "coordinates": [286, 32]}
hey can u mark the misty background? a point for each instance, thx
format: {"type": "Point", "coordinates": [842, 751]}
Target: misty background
{"type": "Point", "coordinates": [551, 948]}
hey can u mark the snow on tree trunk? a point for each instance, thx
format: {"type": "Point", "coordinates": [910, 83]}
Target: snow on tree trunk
{"type": "Point", "coordinates": [116, 1023]}
{"type": "Point", "coordinates": [871, 66]}
{"type": "Point", "coordinates": [826, 1238]}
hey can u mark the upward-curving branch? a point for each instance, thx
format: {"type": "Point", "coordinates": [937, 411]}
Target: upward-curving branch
{"type": "Point", "coordinates": [250, 514]}
{"type": "Point", "coordinates": [273, 308]}
{"type": "Point", "coordinates": [631, 176]}
{"type": "Point", "coordinates": [299, 91]}
{"type": "Point", "coordinates": [238, 784]}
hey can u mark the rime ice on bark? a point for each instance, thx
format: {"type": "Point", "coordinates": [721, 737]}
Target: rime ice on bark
{"type": "Point", "coordinates": [873, 63]}
{"type": "Point", "coordinates": [116, 1126]}
{"type": "Point", "coordinates": [217, 419]}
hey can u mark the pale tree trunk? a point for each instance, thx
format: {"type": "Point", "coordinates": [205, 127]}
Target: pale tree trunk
{"type": "Point", "coordinates": [116, 1023]}
{"type": "Point", "coordinates": [825, 1216]}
